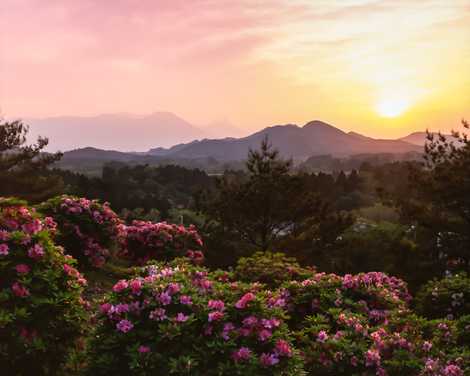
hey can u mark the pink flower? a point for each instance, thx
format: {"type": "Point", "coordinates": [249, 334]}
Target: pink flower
{"type": "Point", "coordinates": [144, 349]}
{"type": "Point", "coordinates": [36, 252]}
{"type": "Point", "coordinates": [264, 334]}
{"type": "Point", "coordinates": [19, 290]}
{"type": "Point", "coordinates": [4, 235]}
{"type": "Point", "coordinates": [243, 353]}
{"type": "Point", "coordinates": [158, 314]}
{"type": "Point", "coordinates": [215, 316]}
{"type": "Point", "coordinates": [136, 286]}
{"type": "Point", "coordinates": [216, 304]}
{"type": "Point", "coordinates": [105, 308]}
{"type": "Point", "coordinates": [269, 359]}
{"type": "Point", "coordinates": [120, 286]}
{"type": "Point", "coordinates": [453, 370]}
{"type": "Point", "coordinates": [322, 336]}
{"type": "Point", "coordinates": [372, 358]}
{"type": "Point", "coordinates": [124, 326]}
{"type": "Point", "coordinates": [22, 269]}
{"type": "Point", "coordinates": [4, 249]}
{"type": "Point", "coordinates": [427, 346]}
{"type": "Point", "coordinates": [244, 300]}
{"type": "Point", "coordinates": [32, 227]}
{"type": "Point", "coordinates": [186, 300]}
{"type": "Point", "coordinates": [181, 317]}
{"type": "Point", "coordinates": [283, 348]}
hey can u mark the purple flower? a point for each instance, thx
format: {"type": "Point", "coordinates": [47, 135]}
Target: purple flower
{"type": "Point", "coordinates": [124, 326]}
{"type": "Point", "coordinates": [264, 334]}
{"type": "Point", "coordinates": [269, 359]}
{"type": "Point", "coordinates": [186, 300]}
{"type": "Point", "coordinates": [322, 336]}
{"type": "Point", "coordinates": [181, 317]}
{"type": "Point", "coordinates": [165, 298]}
{"type": "Point", "coordinates": [243, 353]}
{"type": "Point", "coordinates": [158, 314]}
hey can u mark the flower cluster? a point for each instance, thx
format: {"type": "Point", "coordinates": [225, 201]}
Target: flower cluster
{"type": "Point", "coordinates": [179, 319]}
{"type": "Point", "coordinates": [41, 309]}
{"type": "Point", "coordinates": [162, 241]}
{"type": "Point", "coordinates": [88, 230]}
{"type": "Point", "coordinates": [361, 325]}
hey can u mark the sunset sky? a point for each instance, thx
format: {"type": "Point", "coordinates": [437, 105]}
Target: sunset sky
{"type": "Point", "coordinates": [382, 68]}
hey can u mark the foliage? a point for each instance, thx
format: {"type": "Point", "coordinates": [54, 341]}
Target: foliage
{"type": "Point", "coordinates": [437, 199]}
{"type": "Point", "coordinates": [448, 297]}
{"type": "Point", "coordinates": [360, 325]}
{"type": "Point", "coordinates": [268, 204]}
{"type": "Point", "coordinates": [271, 269]}
{"type": "Point", "coordinates": [23, 168]}
{"type": "Point", "coordinates": [87, 229]}
{"type": "Point", "coordinates": [141, 187]}
{"type": "Point", "coordinates": [387, 247]}
{"type": "Point", "coordinates": [179, 320]}
{"type": "Point", "coordinates": [162, 241]}
{"type": "Point", "coordinates": [41, 309]}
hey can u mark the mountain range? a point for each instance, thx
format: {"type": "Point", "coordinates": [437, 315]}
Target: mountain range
{"type": "Point", "coordinates": [316, 138]}
{"type": "Point", "coordinates": [292, 141]}
{"type": "Point", "coordinates": [123, 131]}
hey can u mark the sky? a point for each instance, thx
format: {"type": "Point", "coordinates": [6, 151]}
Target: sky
{"type": "Point", "coordinates": [383, 68]}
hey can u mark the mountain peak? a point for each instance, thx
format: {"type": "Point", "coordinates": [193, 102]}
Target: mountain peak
{"type": "Point", "coordinates": [317, 123]}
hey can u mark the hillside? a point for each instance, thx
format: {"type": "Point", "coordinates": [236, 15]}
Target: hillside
{"type": "Point", "coordinates": [314, 138]}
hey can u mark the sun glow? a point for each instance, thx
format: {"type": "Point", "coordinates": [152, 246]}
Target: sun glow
{"type": "Point", "coordinates": [392, 107]}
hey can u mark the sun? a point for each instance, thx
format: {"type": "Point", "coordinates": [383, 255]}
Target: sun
{"type": "Point", "coordinates": [392, 107]}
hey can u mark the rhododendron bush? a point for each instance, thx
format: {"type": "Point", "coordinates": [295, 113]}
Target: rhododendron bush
{"type": "Point", "coordinates": [181, 320]}
{"type": "Point", "coordinates": [360, 325]}
{"type": "Point", "coordinates": [445, 298]}
{"type": "Point", "coordinates": [88, 230]}
{"type": "Point", "coordinates": [271, 269]}
{"type": "Point", "coordinates": [41, 309]}
{"type": "Point", "coordinates": [162, 241]}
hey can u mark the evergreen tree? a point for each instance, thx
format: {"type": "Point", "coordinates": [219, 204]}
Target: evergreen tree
{"type": "Point", "coordinates": [24, 169]}
{"type": "Point", "coordinates": [269, 204]}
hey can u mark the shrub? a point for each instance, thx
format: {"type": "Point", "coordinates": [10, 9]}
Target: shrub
{"type": "Point", "coordinates": [162, 241]}
{"type": "Point", "coordinates": [88, 230]}
{"type": "Point", "coordinates": [41, 309]}
{"type": "Point", "coordinates": [360, 324]}
{"type": "Point", "coordinates": [448, 297]}
{"type": "Point", "coordinates": [269, 268]}
{"type": "Point", "coordinates": [180, 320]}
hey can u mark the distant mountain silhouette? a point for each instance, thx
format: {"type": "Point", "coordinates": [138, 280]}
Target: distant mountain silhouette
{"type": "Point", "coordinates": [419, 138]}
{"type": "Point", "coordinates": [115, 131]}
{"type": "Point", "coordinates": [299, 143]}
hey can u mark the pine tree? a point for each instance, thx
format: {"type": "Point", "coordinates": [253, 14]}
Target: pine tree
{"type": "Point", "coordinates": [24, 169]}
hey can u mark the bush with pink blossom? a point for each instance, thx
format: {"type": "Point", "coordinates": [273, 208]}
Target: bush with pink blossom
{"type": "Point", "coordinates": [445, 298]}
{"type": "Point", "coordinates": [162, 241]}
{"type": "Point", "coordinates": [179, 319]}
{"type": "Point", "coordinates": [41, 309]}
{"type": "Point", "coordinates": [88, 230]}
{"type": "Point", "coordinates": [361, 325]}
